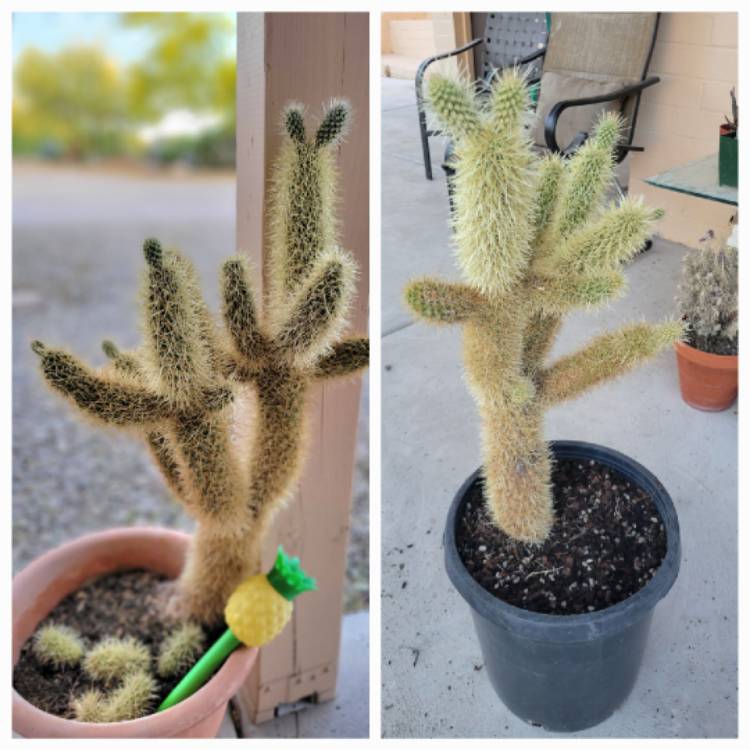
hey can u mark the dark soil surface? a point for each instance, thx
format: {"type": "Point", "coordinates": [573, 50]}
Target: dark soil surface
{"type": "Point", "coordinates": [607, 543]}
{"type": "Point", "coordinates": [119, 605]}
{"type": "Point", "coordinates": [713, 344]}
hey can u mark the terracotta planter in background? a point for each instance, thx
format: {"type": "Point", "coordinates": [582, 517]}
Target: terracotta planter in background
{"type": "Point", "coordinates": [707, 381]}
{"type": "Point", "coordinates": [50, 578]}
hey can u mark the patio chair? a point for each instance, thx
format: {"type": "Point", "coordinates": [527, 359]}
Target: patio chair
{"type": "Point", "coordinates": [592, 62]}
{"type": "Point", "coordinates": [509, 39]}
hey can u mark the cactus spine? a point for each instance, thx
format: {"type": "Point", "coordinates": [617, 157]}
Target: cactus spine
{"type": "Point", "coordinates": [534, 241]}
{"type": "Point", "coordinates": [183, 391]}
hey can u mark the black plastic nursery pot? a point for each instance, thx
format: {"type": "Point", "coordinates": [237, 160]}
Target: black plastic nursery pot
{"type": "Point", "coordinates": [566, 672]}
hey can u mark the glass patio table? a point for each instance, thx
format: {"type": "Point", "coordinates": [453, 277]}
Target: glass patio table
{"type": "Point", "coordinates": [699, 178]}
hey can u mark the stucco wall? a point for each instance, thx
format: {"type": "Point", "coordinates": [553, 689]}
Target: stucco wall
{"type": "Point", "coordinates": [696, 58]}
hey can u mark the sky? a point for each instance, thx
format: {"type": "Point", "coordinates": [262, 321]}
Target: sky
{"type": "Point", "coordinates": [50, 32]}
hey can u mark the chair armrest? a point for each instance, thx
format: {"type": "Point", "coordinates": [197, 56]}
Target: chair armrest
{"type": "Point", "coordinates": [550, 121]}
{"type": "Point", "coordinates": [522, 61]}
{"type": "Point", "coordinates": [541, 52]}
{"type": "Point", "coordinates": [422, 69]}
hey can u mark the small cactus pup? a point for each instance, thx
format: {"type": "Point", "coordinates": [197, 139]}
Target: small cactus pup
{"type": "Point", "coordinates": [534, 241]}
{"type": "Point", "coordinates": [184, 389]}
{"type": "Point", "coordinates": [58, 646]}
{"type": "Point", "coordinates": [180, 650]}
{"type": "Point", "coordinates": [112, 658]}
{"type": "Point", "coordinates": [257, 611]}
{"type": "Point", "coordinates": [132, 699]}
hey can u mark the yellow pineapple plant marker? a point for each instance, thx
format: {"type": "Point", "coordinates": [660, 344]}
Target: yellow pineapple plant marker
{"type": "Point", "coordinates": [256, 613]}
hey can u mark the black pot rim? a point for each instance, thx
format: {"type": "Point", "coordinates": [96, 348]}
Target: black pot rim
{"type": "Point", "coordinates": [580, 627]}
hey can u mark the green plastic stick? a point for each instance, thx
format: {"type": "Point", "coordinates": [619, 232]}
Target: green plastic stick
{"type": "Point", "coordinates": [202, 670]}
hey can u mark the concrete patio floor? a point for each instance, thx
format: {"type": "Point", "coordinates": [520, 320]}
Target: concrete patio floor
{"type": "Point", "coordinates": [347, 715]}
{"type": "Point", "coordinates": [433, 681]}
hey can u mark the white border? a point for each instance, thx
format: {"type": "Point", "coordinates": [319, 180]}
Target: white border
{"type": "Point", "coordinates": [375, 330]}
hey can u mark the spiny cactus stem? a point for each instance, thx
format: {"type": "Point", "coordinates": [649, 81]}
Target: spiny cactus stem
{"type": "Point", "coordinates": [294, 123]}
{"type": "Point", "coordinates": [152, 251]}
{"type": "Point", "coordinates": [109, 348]}
{"type": "Point", "coordinates": [333, 125]}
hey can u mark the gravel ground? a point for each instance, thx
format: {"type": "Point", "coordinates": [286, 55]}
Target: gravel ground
{"type": "Point", "coordinates": [76, 263]}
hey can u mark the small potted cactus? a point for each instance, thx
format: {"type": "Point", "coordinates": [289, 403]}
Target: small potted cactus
{"type": "Point", "coordinates": [707, 359]}
{"type": "Point", "coordinates": [222, 411]}
{"type": "Point", "coordinates": [561, 549]}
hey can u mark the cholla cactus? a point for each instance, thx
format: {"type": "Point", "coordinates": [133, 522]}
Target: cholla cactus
{"type": "Point", "coordinates": [113, 658]}
{"type": "Point", "coordinates": [180, 650]}
{"type": "Point", "coordinates": [132, 699]}
{"type": "Point", "coordinates": [58, 646]}
{"type": "Point", "coordinates": [89, 706]}
{"type": "Point", "coordinates": [534, 241]}
{"type": "Point", "coordinates": [184, 389]}
{"type": "Point", "coordinates": [708, 298]}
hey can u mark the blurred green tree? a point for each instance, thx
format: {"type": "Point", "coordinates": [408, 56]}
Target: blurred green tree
{"type": "Point", "coordinates": [78, 102]}
{"type": "Point", "coordinates": [72, 102]}
{"type": "Point", "coordinates": [189, 66]}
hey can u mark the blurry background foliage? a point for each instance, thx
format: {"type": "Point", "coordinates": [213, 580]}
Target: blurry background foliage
{"type": "Point", "coordinates": [174, 102]}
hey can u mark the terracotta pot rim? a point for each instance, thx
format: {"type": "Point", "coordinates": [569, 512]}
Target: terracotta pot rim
{"type": "Point", "coordinates": [706, 359]}
{"type": "Point", "coordinates": [212, 696]}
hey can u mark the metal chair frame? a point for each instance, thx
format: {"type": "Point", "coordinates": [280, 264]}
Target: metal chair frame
{"type": "Point", "coordinates": [623, 94]}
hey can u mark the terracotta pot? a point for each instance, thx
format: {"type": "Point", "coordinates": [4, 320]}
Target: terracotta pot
{"type": "Point", "coordinates": [50, 578]}
{"type": "Point", "coordinates": [707, 381]}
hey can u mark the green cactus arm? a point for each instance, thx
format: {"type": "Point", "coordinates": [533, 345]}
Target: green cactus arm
{"type": "Point", "coordinates": [240, 314]}
{"type": "Point", "coordinates": [214, 477]}
{"type": "Point", "coordinates": [319, 312]}
{"type": "Point", "coordinates": [442, 301]}
{"type": "Point", "coordinates": [111, 401]}
{"type": "Point", "coordinates": [302, 201]}
{"type": "Point", "coordinates": [165, 458]}
{"type": "Point", "coordinates": [122, 361]}
{"type": "Point", "coordinates": [301, 218]}
{"type": "Point", "coordinates": [538, 340]}
{"type": "Point", "coordinates": [494, 189]}
{"type": "Point", "coordinates": [334, 125]}
{"type": "Point", "coordinates": [346, 358]}
{"type": "Point", "coordinates": [508, 101]}
{"type": "Point", "coordinates": [211, 352]}
{"type": "Point", "coordinates": [549, 178]}
{"type": "Point", "coordinates": [589, 174]}
{"type": "Point", "coordinates": [175, 332]}
{"type": "Point", "coordinates": [614, 238]}
{"type": "Point", "coordinates": [606, 357]}
{"type": "Point", "coordinates": [158, 443]}
{"type": "Point", "coordinates": [556, 295]}
{"type": "Point", "coordinates": [454, 104]}
{"type": "Point", "coordinates": [294, 122]}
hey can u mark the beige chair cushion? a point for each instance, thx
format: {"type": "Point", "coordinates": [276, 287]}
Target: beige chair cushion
{"type": "Point", "coordinates": [603, 45]}
{"type": "Point", "coordinates": [556, 87]}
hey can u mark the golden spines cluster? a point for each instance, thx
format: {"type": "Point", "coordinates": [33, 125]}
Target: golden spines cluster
{"type": "Point", "coordinates": [493, 182]}
{"type": "Point", "coordinates": [534, 240]}
{"type": "Point", "coordinates": [180, 390]}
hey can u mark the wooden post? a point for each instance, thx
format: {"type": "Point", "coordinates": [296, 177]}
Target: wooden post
{"type": "Point", "coordinates": [462, 31]}
{"type": "Point", "coordinates": [309, 58]}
